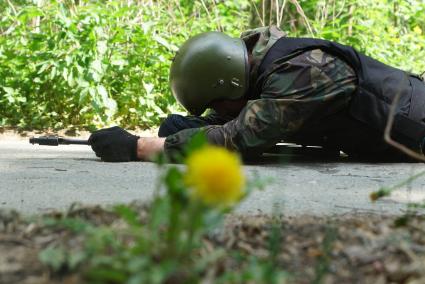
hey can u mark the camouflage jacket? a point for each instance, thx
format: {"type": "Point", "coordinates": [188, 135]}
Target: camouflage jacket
{"type": "Point", "coordinates": [295, 101]}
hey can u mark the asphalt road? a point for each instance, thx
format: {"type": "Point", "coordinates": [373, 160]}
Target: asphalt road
{"type": "Point", "coordinates": [40, 178]}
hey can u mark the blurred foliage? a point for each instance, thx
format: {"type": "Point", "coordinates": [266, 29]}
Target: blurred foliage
{"type": "Point", "coordinates": [392, 31]}
{"type": "Point", "coordinates": [92, 63]}
{"type": "Point", "coordinates": [170, 240]}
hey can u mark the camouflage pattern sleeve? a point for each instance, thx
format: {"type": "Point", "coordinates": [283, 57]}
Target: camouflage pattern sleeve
{"type": "Point", "coordinates": [213, 118]}
{"type": "Point", "coordinates": [258, 41]}
{"type": "Point", "coordinates": [297, 96]}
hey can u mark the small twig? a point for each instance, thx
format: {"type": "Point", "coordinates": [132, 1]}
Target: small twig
{"type": "Point", "coordinates": [324, 18]}
{"type": "Point", "coordinates": [279, 12]}
{"type": "Point", "coordinates": [271, 13]}
{"type": "Point", "coordinates": [387, 133]}
{"type": "Point", "coordinates": [351, 19]}
{"type": "Point", "coordinates": [206, 10]}
{"type": "Point", "coordinates": [387, 138]}
{"type": "Point", "coordinates": [341, 10]}
{"type": "Point", "coordinates": [264, 11]}
{"type": "Point", "coordinates": [13, 7]}
{"type": "Point", "coordinates": [407, 181]}
{"type": "Point", "coordinates": [177, 3]}
{"type": "Point", "coordinates": [257, 12]}
{"type": "Point", "coordinates": [217, 16]}
{"type": "Point", "coordinates": [302, 14]}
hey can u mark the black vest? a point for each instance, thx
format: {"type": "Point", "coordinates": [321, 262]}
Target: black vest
{"type": "Point", "coordinates": [378, 84]}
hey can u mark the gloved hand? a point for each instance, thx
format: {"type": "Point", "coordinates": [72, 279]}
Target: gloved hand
{"type": "Point", "coordinates": [114, 144]}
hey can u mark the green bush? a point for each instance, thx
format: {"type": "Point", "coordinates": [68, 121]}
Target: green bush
{"type": "Point", "coordinates": [82, 63]}
{"type": "Point", "coordinates": [391, 31]}
{"type": "Point", "coordinates": [98, 62]}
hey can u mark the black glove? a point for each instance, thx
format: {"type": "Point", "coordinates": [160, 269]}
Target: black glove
{"type": "Point", "coordinates": [114, 144]}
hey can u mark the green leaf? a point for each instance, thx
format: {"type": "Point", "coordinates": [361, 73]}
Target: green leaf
{"type": "Point", "coordinates": [165, 43]}
{"type": "Point", "coordinates": [102, 47]}
{"type": "Point", "coordinates": [74, 224]}
{"type": "Point", "coordinates": [148, 87]}
{"type": "Point", "coordinates": [28, 13]}
{"type": "Point", "coordinates": [53, 257]}
{"type": "Point", "coordinates": [43, 68]}
{"type": "Point", "coordinates": [105, 275]}
{"type": "Point", "coordinates": [119, 62]}
{"type": "Point", "coordinates": [174, 180]}
{"type": "Point", "coordinates": [111, 107]}
{"type": "Point", "coordinates": [137, 264]}
{"type": "Point", "coordinates": [197, 141]}
{"type": "Point", "coordinates": [128, 214]}
{"type": "Point", "coordinates": [92, 92]}
{"type": "Point", "coordinates": [101, 90]}
{"type": "Point", "coordinates": [96, 65]}
{"type": "Point", "coordinates": [9, 90]}
{"type": "Point", "coordinates": [75, 259]}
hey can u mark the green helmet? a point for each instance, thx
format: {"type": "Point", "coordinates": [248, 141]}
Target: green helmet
{"type": "Point", "coordinates": [208, 67]}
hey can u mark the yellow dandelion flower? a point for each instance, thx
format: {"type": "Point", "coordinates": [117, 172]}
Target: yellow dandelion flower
{"type": "Point", "coordinates": [214, 175]}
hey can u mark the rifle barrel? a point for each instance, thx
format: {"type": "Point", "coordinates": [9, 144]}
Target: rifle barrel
{"type": "Point", "coordinates": [73, 141]}
{"type": "Point", "coordinates": [53, 140]}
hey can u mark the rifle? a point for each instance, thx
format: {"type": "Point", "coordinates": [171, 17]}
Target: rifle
{"type": "Point", "coordinates": [300, 150]}
{"type": "Point", "coordinates": [53, 140]}
{"type": "Point", "coordinates": [280, 149]}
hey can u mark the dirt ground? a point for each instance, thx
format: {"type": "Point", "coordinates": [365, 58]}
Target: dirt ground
{"type": "Point", "coordinates": [346, 249]}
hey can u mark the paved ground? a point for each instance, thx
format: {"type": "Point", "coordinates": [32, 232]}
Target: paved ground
{"type": "Point", "coordinates": [39, 178]}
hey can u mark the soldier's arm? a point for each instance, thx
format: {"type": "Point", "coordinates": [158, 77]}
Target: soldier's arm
{"type": "Point", "coordinates": [305, 89]}
{"type": "Point", "coordinates": [259, 126]}
{"type": "Point", "coordinates": [147, 147]}
{"type": "Point", "coordinates": [213, 118]}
